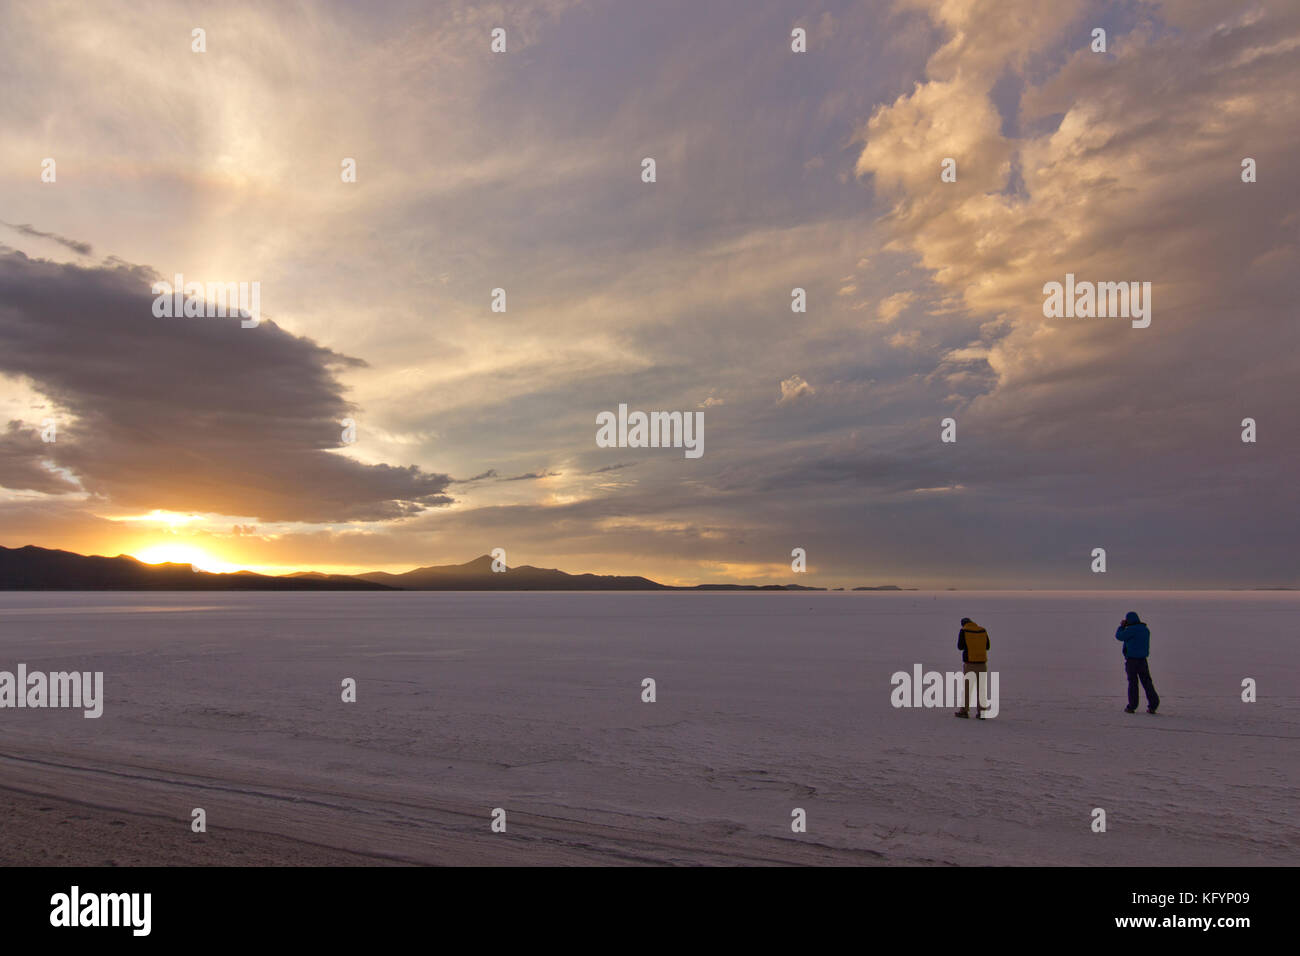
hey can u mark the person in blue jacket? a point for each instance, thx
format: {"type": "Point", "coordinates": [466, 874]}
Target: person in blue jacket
{"type": "Point", "coordinates": [1137, 646]}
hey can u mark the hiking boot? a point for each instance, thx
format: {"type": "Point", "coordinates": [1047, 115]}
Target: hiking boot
{"type": "Point", "coordinates": [1151, 710]}
{"type": "Point", "coordinates": [1130, 710]}
{"type": "Point", "coordinates": [962, 713]}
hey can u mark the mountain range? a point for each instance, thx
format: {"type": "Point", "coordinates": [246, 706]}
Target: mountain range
{"type": "Point", "coordinates": [41, 569]}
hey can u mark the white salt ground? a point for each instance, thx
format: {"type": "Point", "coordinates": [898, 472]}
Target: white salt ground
{"type": "Point", "coordinates": [532, 702]}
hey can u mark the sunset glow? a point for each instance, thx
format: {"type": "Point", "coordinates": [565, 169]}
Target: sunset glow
{"type": "Point", "coordinates": [184, 554]}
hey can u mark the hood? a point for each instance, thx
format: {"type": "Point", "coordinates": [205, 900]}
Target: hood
{"type": "Point", "coordinates": [1132, 618]}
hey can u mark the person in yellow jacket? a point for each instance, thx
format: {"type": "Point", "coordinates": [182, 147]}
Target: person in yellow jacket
{"type": "Point", "coordinates": [973, 642]}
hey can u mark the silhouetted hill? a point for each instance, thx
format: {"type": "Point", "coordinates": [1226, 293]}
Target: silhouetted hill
{"type": "Point", "coordinates": [751, 587]}
{"type": "Point", "coordinates": [42, 569]}
{"type": "Point", "coordinates": [477, 575]}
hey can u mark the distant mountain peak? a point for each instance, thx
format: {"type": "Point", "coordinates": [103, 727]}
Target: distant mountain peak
{"type": "Point", "coordinates": [477, 575]}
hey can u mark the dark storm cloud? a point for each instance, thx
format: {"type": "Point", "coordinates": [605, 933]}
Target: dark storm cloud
{"type": "Point", "coordinates": [21, 466]}
{"type": "Point", "coordinates": [186, 414]}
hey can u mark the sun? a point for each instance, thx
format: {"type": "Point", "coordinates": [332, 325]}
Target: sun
{"type": "Point", "coordinates": [199, 559]}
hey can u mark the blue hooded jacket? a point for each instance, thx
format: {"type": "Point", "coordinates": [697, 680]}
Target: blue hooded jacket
{"type": "Point", "coordinates": [1135, 635]}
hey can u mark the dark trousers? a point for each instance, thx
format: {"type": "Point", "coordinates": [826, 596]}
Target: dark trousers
{"type": "Point", "coordinates": [976, 668]}
{"type": "Point", "coordinates": [1137, 670]}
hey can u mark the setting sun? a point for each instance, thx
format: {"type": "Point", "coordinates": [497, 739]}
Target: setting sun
{"type": "Point", "coordinates": [199, 559]}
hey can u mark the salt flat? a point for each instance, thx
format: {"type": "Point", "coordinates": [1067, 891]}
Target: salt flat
{"type": "Point", "coordinates": [532, 702]}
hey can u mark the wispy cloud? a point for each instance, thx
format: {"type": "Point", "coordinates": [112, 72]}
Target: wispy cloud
{"type": "Point", "coordinates": [81, 248]}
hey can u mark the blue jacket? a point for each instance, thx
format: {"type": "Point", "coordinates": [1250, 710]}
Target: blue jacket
{"type": "Point", "coordinates": [1135, 635]}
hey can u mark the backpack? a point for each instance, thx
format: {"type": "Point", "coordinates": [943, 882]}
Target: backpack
{"type": "Point", "coordinates": [977, 643]}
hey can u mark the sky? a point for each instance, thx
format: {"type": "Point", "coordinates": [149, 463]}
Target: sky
{"type": "Point", "coordinates": [197, 439]}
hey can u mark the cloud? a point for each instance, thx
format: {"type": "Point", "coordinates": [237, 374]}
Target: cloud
{"type": "Point", "coordinates": [490, 473]}
{"type": "Point", "coordinates": [905, 340]}
{"type": "Point", "coordinates": [532, 476]}
{"type": "Point", "coordinates": [891, 306]}
{"type": "Point", "coordinates": [978, 42]}
{"type": "Point", "coordinates": [185, 414]}
{"type": "Point", "coordinates": [81, 248]}
{"type": "Point", "coordinates": [1102, 196]}
{"type": "Point", "coordinates": [795, 387]}
{"type": "Point", "coordinates": [1070, 434]}
{"type": "Point", "coordinates": [618, 467]}
{"type": "Point", "coordinates": [24, 466]}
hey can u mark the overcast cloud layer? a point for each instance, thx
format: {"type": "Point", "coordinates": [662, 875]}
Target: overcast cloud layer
{"type": "Point", "coordinates": [820, 170]}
